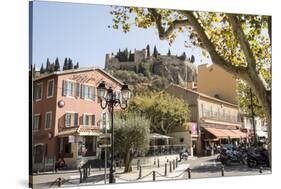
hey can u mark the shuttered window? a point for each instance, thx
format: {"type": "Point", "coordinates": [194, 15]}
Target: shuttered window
{"type": "Point", "coordinates": [38, 91]}
{"type": "Point", "coordinates": [89, 119]}
{"type": "Point", "coordinates": [48, 120]}
{"type": "Point", "coordinates": [71, 119]}
{"type": "Point", "coordinates": [36, 121]}
{"type": "Point", "coordinates": [71, 88]}
{"type": "Point", "coordinates": [88, 92]}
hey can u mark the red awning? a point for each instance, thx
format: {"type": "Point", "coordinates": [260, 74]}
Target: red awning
{"type": "Point", "coordinates": [226, 133]}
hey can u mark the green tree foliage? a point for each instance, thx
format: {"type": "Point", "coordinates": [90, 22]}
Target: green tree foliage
{"type": "Point", "coordinates": [244, 100]}
{"type": "Point", "coordinates": [76, 65]}
{"type": "Point", "coordinates": [155, 52]}
{"type": "Point", "coordinates": [145, 69]}
{"type": "Point", "coordinates": [148, 50]}
{"type": "Point", "coordinates": [70, 64]}
{"type": "Point", "coordinates": [48, 65]}
{"type": "Point", "coordinates": [163, 110]}
{"type": "Point", "coordinates": [42, 70]}
{"type": "Point", "coordinates": [182, 56]}
{"type": "Point", "coordinates": [131, 56]}
{"type": "Point", "coordinates": [65, 64]}
{"type": "Point", "coordinates": [240, 44]}
{"type": "Point", "coordinates": [57, 65]}
{"type": "Point", "coordinates": [169, 53]}
{"type": "Point", "coordinates": [192, 59]}
{"type": "Point", "coordinates": [131, 137]}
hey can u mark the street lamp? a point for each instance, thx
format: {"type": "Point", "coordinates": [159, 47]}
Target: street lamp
{"type": "Point", "coordinates": [109, 99]}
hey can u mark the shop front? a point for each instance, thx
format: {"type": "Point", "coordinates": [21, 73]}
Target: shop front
{"type": "Point", "coordinates": [79, 145]}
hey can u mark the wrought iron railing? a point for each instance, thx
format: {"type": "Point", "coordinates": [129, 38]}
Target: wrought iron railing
{"type": "Point", "coordinates": [165, 149]}
{"type": "Point", "coordinates": [220, 116]}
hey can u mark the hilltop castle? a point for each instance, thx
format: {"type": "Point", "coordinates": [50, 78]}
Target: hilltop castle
{"type": "Point", "coordinates": [174, 68]}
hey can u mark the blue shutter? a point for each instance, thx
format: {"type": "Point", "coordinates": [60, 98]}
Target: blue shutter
{"type": "Point", "coordinates": [83, 92]}
{"type": "Point", "coordinates": [93, 120]}
{"type": "Point", "coordinates": [64, 88]}
{"type": "Point", "coordinates": [77, 89]}
{"type": "Point", "coordinates": [76, 119]}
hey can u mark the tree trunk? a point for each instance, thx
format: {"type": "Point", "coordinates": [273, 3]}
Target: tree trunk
{"type": "Point", "coordinates": [128, 162]}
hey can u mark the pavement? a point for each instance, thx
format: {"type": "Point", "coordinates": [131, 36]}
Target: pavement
{"type": "Point", "coordinates": [203, 167]}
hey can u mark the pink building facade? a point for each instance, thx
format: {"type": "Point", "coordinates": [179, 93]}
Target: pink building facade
{"type": "Point", "coordinates": [67, 116]}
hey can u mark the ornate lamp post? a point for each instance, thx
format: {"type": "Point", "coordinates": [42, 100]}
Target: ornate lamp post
{"type": "Point", "coordinates": [109, 99]}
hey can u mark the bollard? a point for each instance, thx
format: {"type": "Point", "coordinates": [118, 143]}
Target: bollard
{"type": "Point", "coordinates": [59, 182]}
{"type": "Point", "coordinates": [140, 172]}
{"type": "Point", "coordinates": [170, 166]}
{"type": "Point", "coordinates": [189, 172]}
{"type": "Point", "coordinates": [176, 162]}
{"type": "Point", "coordinates": [174, 165]}
{"type": "Point", "coordinates": [158, 163]}
{"type": "Point", "coordinates": [89, 170]}
{"type": "Point", "coordinates": [165, 172]}
{"type": "Point", "coordinates": [154, 175]}
{"type": "Point", "coordinates": [222, 170]}
{"type": "Point", "coordinates": [80, 175]}
{"type": "Point", "coordinates": [120, 164]}
{"type": "Point", "coordinates": [260, 170]}
{"type": "Point", "coordinates": [154, 162]}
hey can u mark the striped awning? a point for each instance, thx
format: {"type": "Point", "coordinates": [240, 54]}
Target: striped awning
{"type": "Point", "coordinates": [80, 131]}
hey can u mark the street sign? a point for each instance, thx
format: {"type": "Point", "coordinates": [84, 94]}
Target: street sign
{"type": "Point", "coordinates": [105, 141]}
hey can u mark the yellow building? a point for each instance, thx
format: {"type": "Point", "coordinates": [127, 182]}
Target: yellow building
{"type": "Point", "coordinates": [216, 121]}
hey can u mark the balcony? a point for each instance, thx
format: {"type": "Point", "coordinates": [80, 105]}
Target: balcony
{"type": "Point", "coordinates": [218, 116]}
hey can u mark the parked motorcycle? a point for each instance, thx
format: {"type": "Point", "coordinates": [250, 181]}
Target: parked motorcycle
{"type": "Point", "coordinates": [258, 158]}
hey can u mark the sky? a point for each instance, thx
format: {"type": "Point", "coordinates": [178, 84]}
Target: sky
{"type": "Point", "coordinates": [81, 32]}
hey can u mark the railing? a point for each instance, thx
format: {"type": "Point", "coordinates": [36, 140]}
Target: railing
{"type": "Point", "coordinates": [165, 150]}
{"type": "Point", "coordinates": [220, 116]}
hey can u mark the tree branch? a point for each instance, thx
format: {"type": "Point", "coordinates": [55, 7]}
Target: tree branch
{"type": "Point", "coordinates": [209, 46]}
{"type": "Point", "coordinates": [164, 34]}
{"type": "Point", "coordinates": [242, 40]}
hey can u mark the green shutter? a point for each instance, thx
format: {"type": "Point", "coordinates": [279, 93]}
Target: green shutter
{"type": "Point", "coordinates": [83, 92]}
{"type": "Point", "coordinates": [93, 120]}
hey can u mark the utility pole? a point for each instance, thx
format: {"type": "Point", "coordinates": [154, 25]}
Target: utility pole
{"type": "Point", "coordinates": [105, 155]}
{"type": "Point", "coordinates": [253, 117]}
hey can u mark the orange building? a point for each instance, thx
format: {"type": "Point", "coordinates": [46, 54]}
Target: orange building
{"type": "Point", "coordinates": [67, 116]}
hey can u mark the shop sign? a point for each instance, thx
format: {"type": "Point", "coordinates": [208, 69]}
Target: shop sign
{"type": "Point", "coordinates": [193, 128]}
{"type": "Point", "coordinates": [71, 139]}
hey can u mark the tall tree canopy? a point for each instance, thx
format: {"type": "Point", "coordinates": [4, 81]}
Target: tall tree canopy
{"type": "Point", "coordinates": [163, 110]}
{"type": "Point", "coordinates": [240, 44]}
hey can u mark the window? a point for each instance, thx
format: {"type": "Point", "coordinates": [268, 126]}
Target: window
{"type": "Point", "coordinates": [36, 121]}
{"type": "Point", "coordinates": [71, 88]}
{"type": "Point", "coordinates": [48, 120]}
{"type": "Point", "coordinates": [89, 119]}
{"type": "Point", "coordinates": [88, 92]}
{"type": "Point", "coordinates": [50, 91]}
{"type": "Point", "coordinates": [71, 119]}
{"type": "Point", "coordinates": [38, 90]}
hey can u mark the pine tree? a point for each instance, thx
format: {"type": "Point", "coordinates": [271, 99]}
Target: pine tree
{"type": "Point", "coordinates": [42, 70]}
{"type": "Point", "coordinates": [65, 65]}
{"type": "Point", "coordinates": [48, 64]}
{"type": "Point", "coordinates": [155, 52]}
{"type": "Point", "coordinates": [76, 66]}
{"type": "Point", "coordinates": [70, 64]}
{"type": "Point", "coordinates": [192, 59]}
{"type": "Point", "coordinates": [148, 50]}
{"type": "Point", "coordinates": [57, 65]}
{"type": "Point", "coordinates": [131, 56]}
{"type": "Point", "coordinates": [52, 68]}
{"type": "Point", "coordinates": [126, 55]}
{"type": "Point", "coordinates": [183, 56]}
{"type": "Point", "coordinates": [169, 53]}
